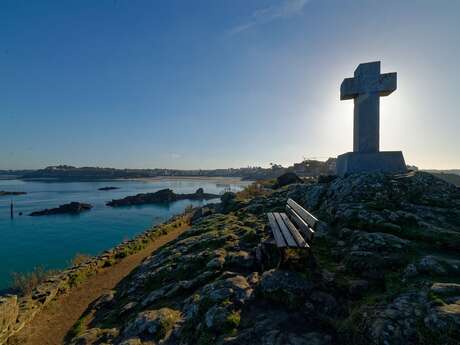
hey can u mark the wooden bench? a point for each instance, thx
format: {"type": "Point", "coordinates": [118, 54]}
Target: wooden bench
{"type": "Point", "coordinates": [293, 229]}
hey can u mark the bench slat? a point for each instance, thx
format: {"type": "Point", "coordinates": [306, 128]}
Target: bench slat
{"type": "Point", "coordinates": [280, 242]}
{"type": "Point", "coordinates": [286, 233]}
{"type": "Point", "coordinates": [304, 229]}
{"type": "Point", "coordinates": [294, 232]}
{"type": "Point", "coordinates": [304, 214]}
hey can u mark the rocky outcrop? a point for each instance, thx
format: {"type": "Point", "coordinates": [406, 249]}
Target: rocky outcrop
{"type": "Point", "coordinates": [386, 270]}
{"type": "Point", "coordinates": [286, 179]}
{"type": "Point", "coordinates": [71, 208]}
{"type": "Point", "coordinates": [5, 193]}
{"type": "Point", "coordinates": [156, 324]}
{"type": "Point", "coordinates": [108, 188]}
{"type": "Point", "coordinates": [162, 196]}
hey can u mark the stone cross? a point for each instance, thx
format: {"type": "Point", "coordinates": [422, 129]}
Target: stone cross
{"type": "Point", "coordinates": [366, 88]}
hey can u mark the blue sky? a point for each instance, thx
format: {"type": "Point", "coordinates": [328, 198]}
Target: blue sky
{"type": "Point", "coordinates": [220, 83]}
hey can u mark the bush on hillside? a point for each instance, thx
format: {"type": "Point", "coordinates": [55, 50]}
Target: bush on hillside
{"type": "Point", "coordinates": [24, 283]}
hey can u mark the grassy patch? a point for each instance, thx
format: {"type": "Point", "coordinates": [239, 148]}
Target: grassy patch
{"type": "Point", "coordinates": [233, 321]}
{"type": "Point", "coordinates": [254, 190]}
{"type": "Point", "coordinates": [24, 283]}
{"type": "Point", "coordinates": [79, 259]}
{"type": "Point", "coordinates": [80, 276]}
{"type": "Point", "coordinates": [78, 328]}
{"type": "Point", "coordinates": [448, 336]}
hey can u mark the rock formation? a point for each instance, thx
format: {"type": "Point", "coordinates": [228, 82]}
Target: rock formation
{"type": "Point", "coordinates": [287, 178]}
{"type": "Point", "coordinates": [385, 271]}
{"type": "Point", "coordinates": [71, 208]}
{"type": "Point", "coordinates": [108, 188]}
{"type": "Point", "coordinates": [162, 196]}
{"type": "Point", "coordinates": [5, 193]}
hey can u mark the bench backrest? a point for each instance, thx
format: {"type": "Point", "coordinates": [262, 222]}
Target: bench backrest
{"type": "Point", "coordinates": [304, 219]}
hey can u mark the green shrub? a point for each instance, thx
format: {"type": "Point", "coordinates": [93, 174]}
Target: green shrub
{"type": "Point", "coordinates": [78, 328]}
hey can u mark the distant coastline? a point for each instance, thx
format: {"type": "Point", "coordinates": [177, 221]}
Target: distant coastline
{"type": "Point", "coordinates": [217, 179]}
{"type": "Point", "coordinates": [70, 173]}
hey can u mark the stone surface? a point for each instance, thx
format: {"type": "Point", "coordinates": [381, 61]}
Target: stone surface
{"type": "Point", "coordinates": [366, 88]}
{"type": "Point", "coordinates": [379, 275]}
{"type": "Point", "coordinates": [356, 162]}
{"type": "Point", "coordinates": [152, 324]}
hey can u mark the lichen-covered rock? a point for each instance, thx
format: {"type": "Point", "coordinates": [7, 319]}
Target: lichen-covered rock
{"type": "Point", "coordinates": [241, 259]}
{"type": "Point", "coordinates": [234, 288]}
{"type": "Point", "coordinates": [443, 313]}
{"type": "Point", "coordinates": [152, 324]}
{"type": "Point", "coordinates": [436, 265]}
{"type": "Point", "coordinates": [446, 289]}
{"type": "Point", "coordinates": [284, 287]}
{"type": "Point", "coordinates": [95, 336]}
{"type": "Point", "coordinates": [393, 323]}
{"type": "Point", "coordinates": [385, 270]}
{"type": "Point", "coordinates": [377, 242]}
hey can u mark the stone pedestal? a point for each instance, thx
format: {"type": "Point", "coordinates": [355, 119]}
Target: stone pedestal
{"type": "Point", "coordinates": [386, 161]}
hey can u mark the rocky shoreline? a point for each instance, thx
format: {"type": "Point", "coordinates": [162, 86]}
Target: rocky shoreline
{"type": "Point", "coordinates": [385, 270]}
{"type": "Point", "coordinates": [70, 208]}
{"type": "Point", "coordinates": [162, 196]}
{"type": "Point", "coordinates": [16, 310]}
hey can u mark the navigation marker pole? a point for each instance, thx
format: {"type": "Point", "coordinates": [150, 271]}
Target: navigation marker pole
{"type": "Point", "coordinates": [11, 210]}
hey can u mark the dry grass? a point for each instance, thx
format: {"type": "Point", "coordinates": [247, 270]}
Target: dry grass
{"type": "Point", "coordinates": [24, 283]}
{"type": "Point", "coordinates": [79, 259]}
{"type": "Point", "coordinates": [255, 189]}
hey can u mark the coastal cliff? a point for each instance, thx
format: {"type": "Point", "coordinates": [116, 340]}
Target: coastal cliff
{"type": "Point", "coordinates": [384, 269]}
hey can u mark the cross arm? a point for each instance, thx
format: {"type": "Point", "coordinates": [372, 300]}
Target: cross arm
{"type": "Point", "coordinates": [384, 85]}
{"type": "Point", "coordinates": [387, 84]}
{"type": "Point", "coordinates": [349, 88]}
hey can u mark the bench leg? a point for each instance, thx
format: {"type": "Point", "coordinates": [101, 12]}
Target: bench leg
{"type": "Point", "coordinates": [268, 255]}
{"type": "Point", "coordinates": [300, 260]}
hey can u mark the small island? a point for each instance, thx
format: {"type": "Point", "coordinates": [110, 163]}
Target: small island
{"type": "Point", "coordinates": [162, 196]}
{"type": "Point", "coordinates": [5, 193]}
{"type": "Point", "coordinates": [108, 188]}
{"type": "Point", "coordinates": [71, 208]}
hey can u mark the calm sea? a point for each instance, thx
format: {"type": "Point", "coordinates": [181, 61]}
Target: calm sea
{"type": "Point", "coordinates": [52, 241]}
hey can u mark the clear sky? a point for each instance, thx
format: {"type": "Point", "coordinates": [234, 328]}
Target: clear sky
{"type": "Point", "coordinates": [221, 83]}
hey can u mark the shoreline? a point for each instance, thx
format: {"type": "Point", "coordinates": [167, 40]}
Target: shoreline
{"type": "Point", "coordinates": [229, 180]}
{"type": "Point", "coordinates": [24, 307]}
{"type": "Point", "coordinates": [197, 178]}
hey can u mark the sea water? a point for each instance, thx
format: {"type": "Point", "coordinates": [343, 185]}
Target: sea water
{"type": "Point", "coordinates": [52, 241]}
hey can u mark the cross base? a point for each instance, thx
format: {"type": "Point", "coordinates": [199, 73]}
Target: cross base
{"type": "Point", "coordinates": [357, 162]}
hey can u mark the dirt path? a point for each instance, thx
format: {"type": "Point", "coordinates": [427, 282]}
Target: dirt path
{"type": "Point", "coordinates": [51, 325]}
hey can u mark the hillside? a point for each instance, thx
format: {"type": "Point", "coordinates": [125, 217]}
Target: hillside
{"type": "Point", "coordinates": [451, 178]}
{"type": "Point", "coordinates": [384, 270]}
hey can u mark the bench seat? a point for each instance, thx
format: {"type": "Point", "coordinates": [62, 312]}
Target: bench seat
{"type": "Point", "coordinates": [293, 229]}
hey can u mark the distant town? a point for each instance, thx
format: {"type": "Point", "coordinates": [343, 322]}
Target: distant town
{"type": "Point", "coordinates": [308, 168]}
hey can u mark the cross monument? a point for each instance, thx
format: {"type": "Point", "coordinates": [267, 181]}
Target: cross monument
{"type": "Point", "coordinates": [366, 88]}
